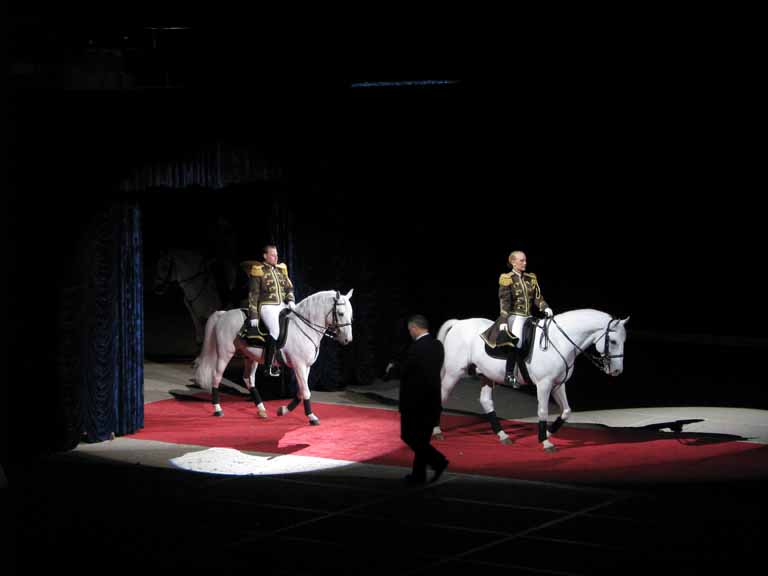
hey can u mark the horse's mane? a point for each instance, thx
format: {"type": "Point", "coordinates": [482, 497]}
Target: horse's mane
{"type": "Point", "coordinates": [311, 303]}
{"type": "Point", "coordinates": [579, 311]}
{"type": "Point", "coordinates": [571, 319]}
{"type": "Point", "coordinates": [316, 296]}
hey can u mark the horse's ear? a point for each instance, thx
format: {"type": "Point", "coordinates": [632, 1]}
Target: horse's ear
{"type": "Point", "coordinates": [349, 294]}
{"type": "Point", "coordinates": [623, 322]}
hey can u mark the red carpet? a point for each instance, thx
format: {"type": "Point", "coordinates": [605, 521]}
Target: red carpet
{"type": "Point", "coordinates": [372, 435]}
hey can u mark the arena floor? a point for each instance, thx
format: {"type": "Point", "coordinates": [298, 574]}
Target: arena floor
{"type": "Point", "coordinates": [290, 514]}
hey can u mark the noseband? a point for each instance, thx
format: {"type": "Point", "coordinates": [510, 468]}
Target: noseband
{"type": "Point", "coordinates": [603, 359]}
{"type": "Point", "coordinates": [333, 330]}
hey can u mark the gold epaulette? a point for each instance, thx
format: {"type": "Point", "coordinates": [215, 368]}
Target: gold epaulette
{"type": "Point", "coordinates": [257, 270]}
{"type": "Point", "coordinates": [531, 274]}
{"type": "Point", "coordinates": [246, 265]}
{"type": "Point", "coordinates": [283, 267]}
{"type": "Point", "coordinates": [505, 279]}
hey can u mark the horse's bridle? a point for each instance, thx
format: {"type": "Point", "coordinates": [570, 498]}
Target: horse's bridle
{"type": "Point", "coordinates": [332, 330]}
{"type": "Point", "coordinates": [602, 360]}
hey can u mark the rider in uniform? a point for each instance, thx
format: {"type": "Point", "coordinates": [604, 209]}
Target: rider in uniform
{"type": "Point", "coordinates": [518, 292]}
{"type": "Point", "coordinates": [270, 291]}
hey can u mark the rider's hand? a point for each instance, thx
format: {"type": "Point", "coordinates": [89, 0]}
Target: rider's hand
{"type": "Point", "coordinates": [548, 312]}
{"type": "Point", "coordinates": [255, 322]}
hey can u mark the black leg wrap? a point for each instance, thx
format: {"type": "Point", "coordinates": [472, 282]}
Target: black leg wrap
{"type": "Point", "coordinates": [556, 425]}
{"type": "Point", "coordinates": [494, 420]}
{"type": "Point", "coordinates": [292, 404]}
{"type": "Point", "coordinates": [255, 396]}
{"type": "Point", "coordinates": [542, 430]}
{"type": "Point", "coordinates": [215, 396]}
{"type": "Point", "coordinates": [307, 407]}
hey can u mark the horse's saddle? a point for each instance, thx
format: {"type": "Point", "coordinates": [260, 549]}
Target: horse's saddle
{"type": "Point", "coordinates": [505, 340]}
{"type": "Point", "coordinates": [257, 338]}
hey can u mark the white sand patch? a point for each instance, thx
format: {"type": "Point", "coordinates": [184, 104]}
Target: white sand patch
{"type": "Point", "coordinates": [233, 462]}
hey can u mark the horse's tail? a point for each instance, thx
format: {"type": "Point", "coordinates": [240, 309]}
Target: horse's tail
{"type": "Point", "coordinates": [442, 334]}
{"type": "Point", "coordinates": [445, 328]}
{"type": "Point", "coordinates": [206, 361]}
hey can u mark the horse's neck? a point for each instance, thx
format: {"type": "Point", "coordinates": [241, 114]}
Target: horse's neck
{"type": "Point", "coordinates": [198, 284]}
{"type": "Point", "coordinates": [315, 308]}
{"type": "Point", "coordinates": [584, 327]}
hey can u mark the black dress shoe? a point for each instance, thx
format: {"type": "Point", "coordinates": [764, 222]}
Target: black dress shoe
{"type": "Point", "coordinates": [439, 471]}
{"type": "Point", "coordinates": [414, 480]}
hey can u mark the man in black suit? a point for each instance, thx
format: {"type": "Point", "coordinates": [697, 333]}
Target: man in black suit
{"type": "Point", "coordinates": [420, 402]}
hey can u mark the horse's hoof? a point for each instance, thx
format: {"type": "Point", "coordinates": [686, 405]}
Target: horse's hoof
{"type": "Point", "coordinates": [506, 440]}
{"type": "Point", "coordinates": [438, 437]}
{"type": "Point", "coordinates": [218, 413]}
{"type": "Point", "coordinates": [263, 414]}
{"type": "Point", "coordinates": [282, 411]}
{"type": "Point", "coordinates": [550, 449]}
{"type": "Point", "coordinates": [314, 422]}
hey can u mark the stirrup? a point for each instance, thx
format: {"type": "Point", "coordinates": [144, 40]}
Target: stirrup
{"type": "Point", "coordinates": [274, 371]}
{"type": "Point", "coordinates": [511, 380]}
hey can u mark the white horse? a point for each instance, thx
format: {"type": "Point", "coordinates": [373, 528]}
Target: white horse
{"type": "Point", "coordinates": [192, 272]}
{"type": "Point", "coordinates": [554, 347]}
{"type": "Point", "coordinates": [323, 314]}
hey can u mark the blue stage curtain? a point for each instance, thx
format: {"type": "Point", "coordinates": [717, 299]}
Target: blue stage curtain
{"type": "Point", "coordinates": [112, 351]}
{"type": "Point", "coordinates": [130, 397]}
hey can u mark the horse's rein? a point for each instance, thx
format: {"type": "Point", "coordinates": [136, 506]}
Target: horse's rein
{"type": "Point", "coordinates": [545, 341]}
{"type": "Point", "coordinates": [327, 331]}
{"type": "Point", "coordinates": [601, 361]}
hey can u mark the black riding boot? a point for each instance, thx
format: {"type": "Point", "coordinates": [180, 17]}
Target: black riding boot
{"type": "Point", "coordinates": [269, 357]}
{"type": "Point", "coordinates": [251, 331]}
{"type": "Point", "coordinates": [509, 377]}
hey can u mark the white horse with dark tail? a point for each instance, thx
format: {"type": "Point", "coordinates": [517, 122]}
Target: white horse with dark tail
{"type": "Point", "coordinates": [320, 315]}
{"type": "Point", "coordinates": [555, 345]}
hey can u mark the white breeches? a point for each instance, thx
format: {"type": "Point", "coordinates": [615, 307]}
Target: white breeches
{"type": "Point", "coordinates": [270, 315]}
{"type": "Point", "coordinates": [516, 324]}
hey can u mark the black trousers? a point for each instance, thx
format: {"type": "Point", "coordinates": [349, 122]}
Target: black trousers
{"type": "Point", "coordinates": [418, 435]}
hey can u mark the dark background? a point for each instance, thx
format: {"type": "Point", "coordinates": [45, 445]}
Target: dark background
{"type": "Point", "coordinates": [623, 163]}
{"type": "Point", "coordinates": [624, 175]}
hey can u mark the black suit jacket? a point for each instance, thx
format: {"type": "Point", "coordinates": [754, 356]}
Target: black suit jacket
{"type": "Point", "coordinates": [420, 401]}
